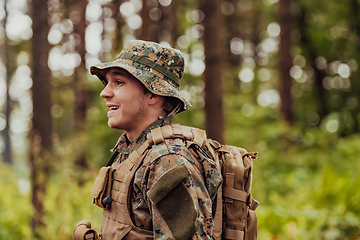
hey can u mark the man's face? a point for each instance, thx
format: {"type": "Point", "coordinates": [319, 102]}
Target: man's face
{"type": "Point", "coordinates": [126, 98]}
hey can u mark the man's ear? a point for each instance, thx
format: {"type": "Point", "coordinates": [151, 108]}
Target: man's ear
{"type": "Point", "coordinates": [154, 98]}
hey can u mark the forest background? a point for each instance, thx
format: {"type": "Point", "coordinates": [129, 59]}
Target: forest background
{"type": "Point", "coordinates": [275, 76]}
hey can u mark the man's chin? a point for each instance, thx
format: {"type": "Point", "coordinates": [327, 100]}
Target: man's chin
{"type": "Point", "coordinates": [113, 125]}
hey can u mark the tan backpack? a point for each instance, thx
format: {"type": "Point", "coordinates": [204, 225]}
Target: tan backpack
{"type": "Point", "coordinates": [236, 215]}
{"type": "Point", "coordinates": [234, 208]}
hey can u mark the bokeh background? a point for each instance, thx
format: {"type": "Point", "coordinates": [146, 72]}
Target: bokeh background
{"type": "Point", "coordinates": [279, 77]}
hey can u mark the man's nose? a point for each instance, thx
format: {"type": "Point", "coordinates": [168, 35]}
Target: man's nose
{"type": "Point", "coordinates": [106, 92]}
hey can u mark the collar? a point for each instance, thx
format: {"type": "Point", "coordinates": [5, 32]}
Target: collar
{"type": "Point", "coordinates": [124, 146]}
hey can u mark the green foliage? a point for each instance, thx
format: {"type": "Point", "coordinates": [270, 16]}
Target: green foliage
{"type": "Point", "coordinates": [306, 181]}
{"type": "Point", "coordinates": [15, 207]}
{"type": "Point", "coordinates": [67, 201]}
{"type": "Point", "coordinates": [306, 178]}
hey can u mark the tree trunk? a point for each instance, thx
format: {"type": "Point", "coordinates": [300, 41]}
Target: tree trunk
{"type": "Point", "coordinates": [118, 44]}
{"type": "Point", "coordinates": [149, 29]}
{"type": "Point", "coordinates": [8, 104]}
{"type": "Point", "coordinates": [355, 24]}
{"type": "Point", "coordinates": [320, 93]}
{"type": "Point", "coordinates": [168, 25]}
{"type": "Point", "coordinates": [285, 20]}
{"type": "Point", "coordinates": [233, 22]}
{"type": "Point", "coordinates": [213, 71]}
{"type": "Point", "coordinates": [40, 135]}
{"type": "Point", "coordinates": [81, 91]}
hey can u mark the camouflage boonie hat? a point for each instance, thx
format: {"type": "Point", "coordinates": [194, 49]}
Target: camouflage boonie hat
{"type": "Point", "coordinates": [158, 67]}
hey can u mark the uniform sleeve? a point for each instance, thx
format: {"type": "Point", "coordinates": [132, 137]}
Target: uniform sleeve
{"type": "Point", "coordinates": [179, 202]}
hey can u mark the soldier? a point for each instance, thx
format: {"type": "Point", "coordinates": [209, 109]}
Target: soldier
{"type": "Point", "coordinates": [160, 191]}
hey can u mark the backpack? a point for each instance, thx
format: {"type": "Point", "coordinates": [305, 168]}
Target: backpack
{"type": "Point", "coordinates": [234, 208]}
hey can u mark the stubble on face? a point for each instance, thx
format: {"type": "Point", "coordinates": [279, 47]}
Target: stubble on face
{"type": "Point", "coordinates": [126, 98]}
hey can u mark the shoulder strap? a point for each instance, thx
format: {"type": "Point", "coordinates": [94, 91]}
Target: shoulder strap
{"type": "Point", "coordinates": [133, 157]}
{"type": "Point", "coordinates": [195, 135]}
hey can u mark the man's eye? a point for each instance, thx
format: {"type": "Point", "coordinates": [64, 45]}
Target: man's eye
{"type": "Point", "coordinates": [119, 82]}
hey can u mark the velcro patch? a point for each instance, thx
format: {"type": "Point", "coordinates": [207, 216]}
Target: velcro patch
{"type": "Point", "coordinates": [173, 201]}
{"type": "Point", "coordinates": [167, 182]}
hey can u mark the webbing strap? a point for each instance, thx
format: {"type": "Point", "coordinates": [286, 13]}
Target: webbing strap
{"type": "Point", "coordinates": [119, 176]}
{"type": "Point", "coordinates": [143, 147]}
{"type": "Point", "coordinates": [218, 215]}
{"type": "Point", "coordinates": [230, 179]}
{"type": "Point", "coordinates": [135, 156]}
{"type": "Point", "coordinates": [118, 216]}
{"type": "Point", "coordinates": [177, 129]}
{"type": "Point", "coordinates": [173, 78]}
{"type": "Point", "coordinates": [254, 204]}
{"type": "Point", "coordinates": [166, 131]}
{"type": "Point", "coordinates": [188, 134]}
{"type": "Point", "coordinates": [199, 136]}
{"type": "Point", "coordinates": [234, 234]}
{"type": "Point", "coordinates": [119, 186]}
{"type": "Point", "coordinates": [131, 160]}
{"type": "Point", "coordinates": [235, 194]}
{"type": "Point", "coordinates": [157, 136]}
{"type": "Point", "coordinates": [252, 226]}
{"type": "Point", "coordinates": [118, 196]}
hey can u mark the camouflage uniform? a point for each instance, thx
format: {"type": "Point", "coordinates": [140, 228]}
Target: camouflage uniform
{"type": "Point", "coordinates": [160, 69]}
{"type": "Point", "coordinates": [158, 161]}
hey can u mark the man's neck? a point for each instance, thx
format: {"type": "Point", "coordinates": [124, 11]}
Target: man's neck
{"type": "Point", "coordinates": [133, 135]}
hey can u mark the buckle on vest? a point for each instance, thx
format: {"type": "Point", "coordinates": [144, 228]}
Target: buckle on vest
{"type": "Point", "coordinates": [249, 200]}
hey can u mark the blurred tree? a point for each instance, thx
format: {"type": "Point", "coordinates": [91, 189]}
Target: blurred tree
{"type": "Point", "coordinates": [354, 10]}
{"type": "Point", "coordinates": [285, 59]}
{"type": "Point", "coordinates": [8, 102]}
{"type": "Point", "coordinates": [159, 22]}
{"type": "Point", "coordinates": [40, 135]}
{"type": "Point", "coordinates": [232, 21]}
{"type": "Point", "coordinates": [312, 54]}
{"type": "Point", "coordinates": [81, 92]}
{"type": "Point", "coordinates": [168, 25]}
{"type": "Point", "coordinates": [150, 15]}
{"type": "Point", "coordinates": [213, 72]}
{"type": "Point", "coordinates": [118, 44]}
{"type": "Point", "coordinates": [231, 11]}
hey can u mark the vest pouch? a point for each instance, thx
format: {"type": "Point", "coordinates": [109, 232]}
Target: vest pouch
{"type": "Point", "coordinates": [102, 186]}
{"type": "Point", "coordinates": [83, 231]}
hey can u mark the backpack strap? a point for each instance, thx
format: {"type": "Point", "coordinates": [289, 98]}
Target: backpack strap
{"type": "Point", "coordinates": [211, 146]}
{"type": "Point", "coordinates": [158, 135]}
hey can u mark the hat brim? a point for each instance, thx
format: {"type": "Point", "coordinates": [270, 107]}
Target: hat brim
{"type": "Point", "coordinates": [153, 80]}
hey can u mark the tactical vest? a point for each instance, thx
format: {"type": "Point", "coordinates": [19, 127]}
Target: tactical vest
{"type": "Point", "coordinates": [117, 222]}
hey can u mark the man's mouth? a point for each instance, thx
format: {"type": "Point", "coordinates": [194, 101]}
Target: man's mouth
{"type": "Point", "coordinates": [114, 108]}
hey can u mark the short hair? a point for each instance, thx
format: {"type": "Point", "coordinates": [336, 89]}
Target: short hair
{"type": "Point", "coordinates": [169, 104]}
